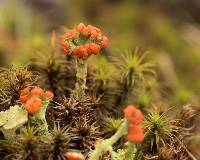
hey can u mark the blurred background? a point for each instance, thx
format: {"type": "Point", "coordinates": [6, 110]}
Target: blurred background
{"type": "Point", "coordinates": [169, 29]}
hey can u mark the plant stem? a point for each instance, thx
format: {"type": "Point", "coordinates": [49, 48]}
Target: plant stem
{"type": "Point", "coordinates": [106, 145]}
{"type": "Point", "coordinates": [130, 153]}
{"type": "Point", "coordinates": [121, 132]}
{"type": "Point", "coordinates": [81, 77]}
{"type": "Point", "coordinates": [127, 88]}
{"type": "Point", "coordinates": [41, 119]}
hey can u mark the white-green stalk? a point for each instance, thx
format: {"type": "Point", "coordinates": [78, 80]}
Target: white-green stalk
{"type": "Point", "coordinates": [106, 145]}
{"type": "Point", "coordinates": [40, 118]}
{"type": "Point", "coordinates": [81, 77]}
{"type": "Point", "coordinates": [130, 153]}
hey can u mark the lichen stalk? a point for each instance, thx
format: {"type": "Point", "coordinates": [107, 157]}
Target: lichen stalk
{"type": "Point", "coordinates": [41, 119]}
{"type": "Point", "coordinates": [106, 145]}
{"type": "Point", "coordinates": [81, 77]}
{"type": "Point", "coordinates": [131, 150]}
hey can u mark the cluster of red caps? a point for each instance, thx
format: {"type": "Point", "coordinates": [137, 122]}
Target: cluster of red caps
{"type": "Point", "coordinates": [134, 117]}
{"type": "Point", "coordinates": [32, 98]}
{"type": "Point", "coordinates": [74, 156]}
{"type": "Point", "coordinates": [84, 41]}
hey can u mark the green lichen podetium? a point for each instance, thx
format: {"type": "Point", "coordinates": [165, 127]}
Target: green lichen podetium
{"type": "Point", "coordinates": [40, 119]}
{"type": "Point", "coordinates": [130, 153]}
{"type": "Point", "coordinates": [81, 77]}
{"type": "Point", "coordinates": [106, 145]}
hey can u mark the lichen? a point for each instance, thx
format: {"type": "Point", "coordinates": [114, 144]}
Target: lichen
{"type": "Point", "coordinates": [11, 120]}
